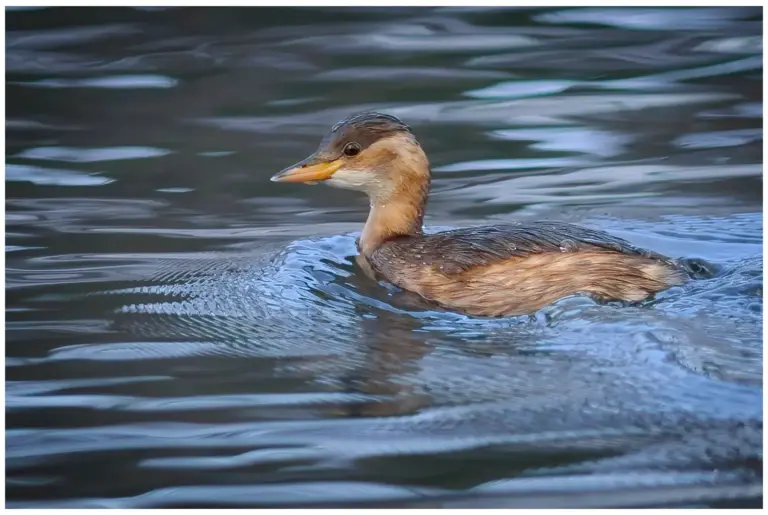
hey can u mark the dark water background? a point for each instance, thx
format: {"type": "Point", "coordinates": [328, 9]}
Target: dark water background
{"type": "Point", "coordinates": [182, 332]}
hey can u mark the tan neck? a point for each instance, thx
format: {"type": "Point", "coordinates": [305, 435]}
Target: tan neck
{"type": "Point", "coordinates": [390, 220]}
{"type": "Point", "coordinates": [399, 212]}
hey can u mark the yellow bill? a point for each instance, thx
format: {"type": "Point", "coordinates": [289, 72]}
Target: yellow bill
{"type": "Point", "coordinates": [309, 170]}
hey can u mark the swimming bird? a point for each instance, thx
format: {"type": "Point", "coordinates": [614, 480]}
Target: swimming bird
{"type": "Point", "coordinates": [497, 270]}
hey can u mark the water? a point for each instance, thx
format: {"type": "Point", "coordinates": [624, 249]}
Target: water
{"type": "Point", "coordinates": [183, 333]}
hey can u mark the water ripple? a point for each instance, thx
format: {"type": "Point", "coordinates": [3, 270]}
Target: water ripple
{"type": "Point", "coordinates": [224, 342]}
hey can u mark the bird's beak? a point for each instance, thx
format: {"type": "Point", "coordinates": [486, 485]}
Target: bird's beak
{"type": "Point", "coordinates": [312, 169]}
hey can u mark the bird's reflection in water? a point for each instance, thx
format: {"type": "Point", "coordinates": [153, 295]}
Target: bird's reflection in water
{"type": "Point", "coordinates": [392, 354]}
{"type": "Point", "coordinates": [393, 345]}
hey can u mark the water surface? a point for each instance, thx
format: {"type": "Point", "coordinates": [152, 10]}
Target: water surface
{"type": "Point", "coordinates": [183, 333]}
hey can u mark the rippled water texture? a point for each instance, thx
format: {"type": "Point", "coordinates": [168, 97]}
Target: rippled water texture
{"type": "Point", "coordinates": [183, 333]}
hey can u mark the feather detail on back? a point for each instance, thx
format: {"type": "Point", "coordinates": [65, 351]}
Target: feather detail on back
{"type": "Point", "coordinates": [459, 250]}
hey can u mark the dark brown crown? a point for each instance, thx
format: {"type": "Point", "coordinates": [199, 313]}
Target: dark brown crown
{"type": "Point", "coordinates": [363, 129]}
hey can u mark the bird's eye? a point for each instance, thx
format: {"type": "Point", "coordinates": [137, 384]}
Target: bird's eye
{"type": "Point", "coordinates": [352, 149]}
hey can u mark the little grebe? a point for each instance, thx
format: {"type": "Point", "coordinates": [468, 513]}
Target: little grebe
{"type": "Point", "coordinates": [487, 271]}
